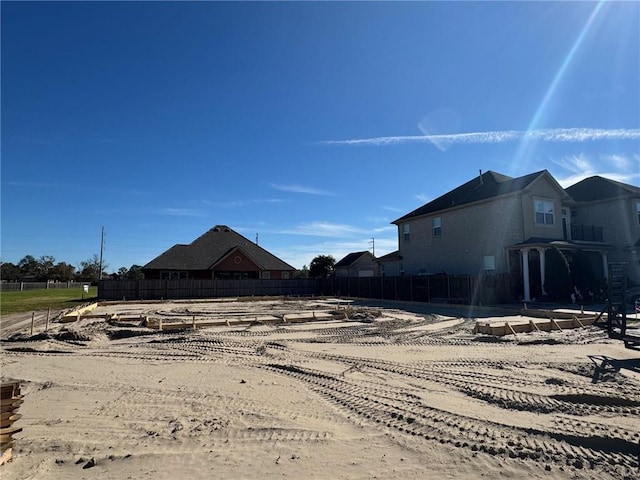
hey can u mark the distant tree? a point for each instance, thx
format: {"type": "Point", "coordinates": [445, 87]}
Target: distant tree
{"type": "Point", "coordinates": [302, 273]}
{"type": "Point", "coordinates": [9, 272]}
{"type": "Point", "coordinates": [90, 269]}
{"type": "Point", "coordinates": [121, 274]}
{"type": "Point", "coordinates": [28, 266]}
{"type": "Point", "coordinates": [44, 267]}
{"type": "Point", "coordinates": [62, 272]}
{"type": "Point", "coordinates": [321, 266]}
{"type": "Point", "coordinates": [135, 273]}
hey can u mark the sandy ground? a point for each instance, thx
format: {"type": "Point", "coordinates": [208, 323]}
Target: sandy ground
{"type": "Point", "coordinates": [393, 393]}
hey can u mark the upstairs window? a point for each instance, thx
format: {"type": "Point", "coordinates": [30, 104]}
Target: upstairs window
{"type": "Point", "coordinates": [437, 226]}
{"type": "Point", "coordinates": [406, 232]}
{"type": "Point", "coordinates": [544, 212]}
{"type": "Point", "coordinates": [489, 263]}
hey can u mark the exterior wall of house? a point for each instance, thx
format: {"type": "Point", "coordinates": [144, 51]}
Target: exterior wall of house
{"type": "Point", "coordinates": [363, 266]}
{"type": "Point", "coordinates": [236, 262]}
{"type": "Point", "coordinates": [390, 268]}
{"type": "Point", "coordinates": [542, 189]}
{"type": "Point", "coordinates": [468, 235]}
{"type": "Point", "coordinates": [621, 229]}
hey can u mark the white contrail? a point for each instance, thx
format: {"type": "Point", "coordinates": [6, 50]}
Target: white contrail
{"type": "Point", "coordinates": [547, 135]}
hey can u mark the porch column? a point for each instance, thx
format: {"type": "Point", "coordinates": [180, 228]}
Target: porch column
{"type": "Point", "coordinates": [525, 274]}
{"type": "Point", "coordinates": [605, 265]}
{"type": "Point", "coordinates": [542, 266]}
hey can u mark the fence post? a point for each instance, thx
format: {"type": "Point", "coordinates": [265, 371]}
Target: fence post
{"type": "Point", "coordinates": [33, 317]}
{"type": "Point", "coordinates": [48, 314]}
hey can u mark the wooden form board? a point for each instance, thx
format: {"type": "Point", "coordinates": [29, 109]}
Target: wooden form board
{"type": "Point", "coordinates": [288, 318]}
{"type": "Point", "coordinates": [10, 400]}
{"type": "Point", "coordinates": [533, 325]}
{"type": "Point", "coordinates": [78, 314]}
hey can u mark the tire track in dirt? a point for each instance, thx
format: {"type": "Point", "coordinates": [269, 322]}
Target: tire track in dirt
{"type": "Point", "coordinates": [416, 419]}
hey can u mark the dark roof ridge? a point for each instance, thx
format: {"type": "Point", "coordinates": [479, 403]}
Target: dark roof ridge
{"type": "Point", "coordinates": [487, 185]}
{"type": "Point", "coordinates": [597, 187]}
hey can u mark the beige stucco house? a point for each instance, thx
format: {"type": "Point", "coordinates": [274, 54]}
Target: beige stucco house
{"type": "Point", "coordinates": [498, 224]}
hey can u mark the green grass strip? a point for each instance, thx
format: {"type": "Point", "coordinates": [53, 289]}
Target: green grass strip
{"type": "Point", "coordinates": [34, 300]}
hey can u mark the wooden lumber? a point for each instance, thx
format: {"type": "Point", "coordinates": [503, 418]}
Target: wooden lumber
{"type": "Point", "coordinates": [10, 400]}
{"type": "Point", "coordinates": [541, 323]}
{"type": "Point", "coordinates": [555, 324]}
{"type": "Point", "coordinates": [6, 456]}
{"type": "Point", "coordinates": [508, 327]}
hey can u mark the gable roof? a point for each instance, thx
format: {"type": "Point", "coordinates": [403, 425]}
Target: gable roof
{"type": "Point", "coordinates": [352, 258]}
{"type": "Point", "coordinates": [210, 248]}
{"type": "Point", "coordinates": [486, 186]}
{"type": "Point", "coordinates": [600, 188]}
{"type": "Point", "coordinates": [390, 257]}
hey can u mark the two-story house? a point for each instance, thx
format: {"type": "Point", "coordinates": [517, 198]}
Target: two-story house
{"type": "Point", "coordinates": [604, 207]}
{"type": "Point", "coordinates": [495, 224]}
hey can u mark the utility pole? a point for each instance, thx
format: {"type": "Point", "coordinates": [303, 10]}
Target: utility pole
{"type": "Point", "coordinates": [373, 246]}
{"type": "Point", "coordinates": [101, 251]}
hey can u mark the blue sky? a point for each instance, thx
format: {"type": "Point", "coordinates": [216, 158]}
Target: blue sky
{"type": "Point", "coordinates": [313, 125]}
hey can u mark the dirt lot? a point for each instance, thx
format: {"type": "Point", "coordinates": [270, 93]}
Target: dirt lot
{"type": "Point", "coordinates": [394, 391]}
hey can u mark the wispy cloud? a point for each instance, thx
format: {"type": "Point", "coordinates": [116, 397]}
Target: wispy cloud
{"type": "Point", "coordinates": [423, 198]}
{"type": "Point", "coordinates": [546, 135]}
{"type": "Point", "coordinates": [302, 254]}
{"type": "Point", "coordinates": [302, 189]}
{"type": "Point", "coordinates": [32, 184]}
{"type": "Point", "coordinates": [323, 229]}
{"type": "Point", "coordinates": [578, 167]}
{"type": "Point", "coordinates": [182, 212]}
{"type": "Point", "coordinates": [393, 209]}
{"type": "Point", "coordinates": [241, 203]}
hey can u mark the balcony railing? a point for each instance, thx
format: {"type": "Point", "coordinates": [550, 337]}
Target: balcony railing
{"type": "Point", "coordinates": [587, 233]}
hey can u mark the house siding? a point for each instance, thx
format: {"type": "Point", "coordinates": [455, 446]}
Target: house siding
{"type": "Point", "coordinates": [475, 231]}
{"type": "Point", "coordinates": [619, 220]}
{"type": "Point", "coordinates": [542, 189]}
{"type": "Point", "coordinates": [364, 263]}
{"type": "Point", "coordinates": [468, 234]}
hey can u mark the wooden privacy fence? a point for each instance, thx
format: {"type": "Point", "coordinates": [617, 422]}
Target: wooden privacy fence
{"type": "Point", "coordinates": [465, 289]}
{"type": "Point", "coordinates": [186, 289]}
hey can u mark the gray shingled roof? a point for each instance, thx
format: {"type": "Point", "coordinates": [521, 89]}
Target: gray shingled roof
{"type": "Point", "coordinates": [488, 185]}
{"type": "Point", "coordinates": [351, 258]}
{"type": "Point", "coordinates": [209, 248]}
{"type": "Point", "coordinates": [395, 255]}
{"type": "Point", "coordinates": [600, 188]}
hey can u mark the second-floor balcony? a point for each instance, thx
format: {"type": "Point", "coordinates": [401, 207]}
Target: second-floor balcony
{"type": "Point", "coordinates": [587, 233]}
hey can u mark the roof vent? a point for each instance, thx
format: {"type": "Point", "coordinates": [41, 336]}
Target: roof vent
{"type": "Point", "coordinates": [481, 181]}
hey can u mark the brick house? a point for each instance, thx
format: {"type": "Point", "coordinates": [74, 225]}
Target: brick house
{"type": "Point", "coordinates": [498, 224]}
{"type": "Point", "coordinates": [219, 253]}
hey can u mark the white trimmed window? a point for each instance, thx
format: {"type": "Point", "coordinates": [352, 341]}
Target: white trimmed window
{"type": "Point", "coordinates": [266, 275]}
{"type": "Point", "coordinates": [489, 263]}
{"type": "Point", "coordinates": [437, 226]}
{"type": "Point", "coordinates": [544, 212]}
{"type": "Point", "coordinates": [406, 232]}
